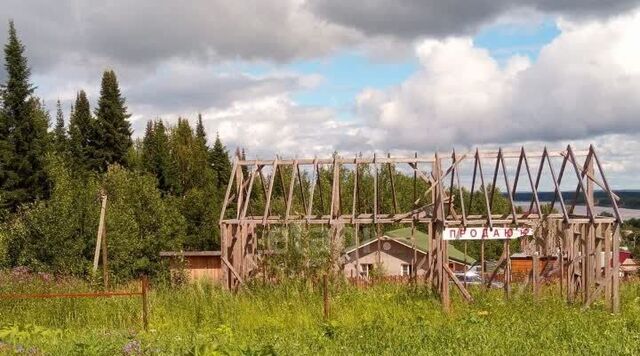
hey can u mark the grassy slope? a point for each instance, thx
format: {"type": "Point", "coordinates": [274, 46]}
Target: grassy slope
{"type": "Point", "coordinates": [385, 319]}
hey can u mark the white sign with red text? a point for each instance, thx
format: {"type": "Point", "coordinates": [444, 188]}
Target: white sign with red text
{"type": "Point", "coordinates": [485, 233]}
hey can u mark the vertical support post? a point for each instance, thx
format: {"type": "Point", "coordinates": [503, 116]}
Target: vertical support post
{"type": "Point", "coordinates": [375, 208]}
{"type": "Point", "coordinates": [357, 237]}
{"type": "Point", "coordinates": [507, 270]}
{"type": "Point", "coordinates": [105, 258]}
{"type": "Point", "coordinates": [574, 266]}
{"type": "Point", "coordinates": [101, 242]}
{"type": "Point", "coordinates": [563, 246]}
{"type": "Point", "coordinates": [466, 266]}
{"type": "Point", "coordinates": [438, 228]}
{"type": "Point", "coordinates": [224, 255]}
{"type": "Point", "coordinates": [145, 302]}
{"type": "Point", "coordinates": [482, 263]}
{"type": "Point", "coordinates": [534, 274]}
{"type": "Point", "coordinates": [586, 265]}
{"type": "Point", "coordinates": [616, 269]}
{"type": "Point", "coordinates": [431, 248]}
{"type": "Point", "coordinates": [599, 267]}
{"type": "Point", "coordinates": [414, 256]}
{"type": "Point", "coordinates": [96, 255]}
{"type": "Point", "coordinates": [590, 232]}
{"type": "Point", "coordinates": [325, 296]}
{"type": "Point", "coordinates": [607, 265]}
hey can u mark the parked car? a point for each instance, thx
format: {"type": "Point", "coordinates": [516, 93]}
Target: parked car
{"type": "Point", "coordinates": [475, 279]}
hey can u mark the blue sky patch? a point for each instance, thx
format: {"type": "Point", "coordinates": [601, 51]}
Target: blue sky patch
{"type": "Point", "coordinates": [506, 40]}
{"type": "Point", "coordinates": [346, 75]}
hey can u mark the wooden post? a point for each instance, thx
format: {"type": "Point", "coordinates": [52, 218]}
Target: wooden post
{"type": "Point", "coordinates": [145, 302]}
{"type": "Point", "coordinates": [325, 296]}
{"type": "Point", "coordinates": [589, 234]}
{"type": "Point", "coordinates": [585, 263]}
{"type": "Point", "coordinates": [444, 279]}
{"type": "Point", "coordinates": [438, 226]}
{"type": "Point", "coordinates": [534, 274]}
{"type": "Point", "coordinates": [105, 258]}
{"type": "Point", "coordinates": [607, 265]}
{"type": "Point", "coordinates": [561, 257]}
{"type": "Point", "coordinates": [223, 254]}
{"type": "Point", "coordinates": [414, 257]}
{"type": "Point", "coordinates": [482, 263]}
{"type": "Point", "coordinates": [357, 236]}
{"type": "Point", "coordinates": [616, 270]}
{"type": "Point", "coordinates": [507, 270]}
{"type": "Point", "coordinates": [431, 248]}
{"type": "Point", "coordinates": [101, 242]}
{"type": "Point", "coordinates": [466, 268]}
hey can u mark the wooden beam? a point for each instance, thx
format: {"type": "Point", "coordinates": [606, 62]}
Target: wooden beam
{"type": "Point", "coordinates": [461, 195]}
{"type": "Point", "coordinates": [465, 293]}
{"type": "Point", "coordinates": [393, 187]}
{"type": "Point", "coordinates": [233, 270]}
{"type": "Point", "coordinates": [484, 190]}
{"type": "Point", "coordinates": [606, 184]}
{"type": "Point", "coordinates": [225, 202]}
{"type": "Point", "coordinates": [270, 192]}
{"type": "Point", "coordinates": [292, 184]}
{"type": "Point", "coordinates": [588, 195]}
{"type": "Point", "coordinates": [557, 188]}
{"type": "Point", "coordinates": [99, 237]}
{"type": "Point", "coordinates": [534, 188]}
{"type": "Point", "coordinates": [407, 160]}
{"type": "Point", "coordinates": [355, 191]}
{"type": "Point", "coordinates": [313, 185]}
{"type": "Point", "coordinates": [304, 202]}
{"type": "Point", "coordinates": [509, 193]}
{"type": "Point", "coordinates": [252, 177]}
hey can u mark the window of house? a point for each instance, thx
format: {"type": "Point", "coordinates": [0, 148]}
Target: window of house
{"type": "Point", "coordinates": [366, 269]}
{"type": "Point", "coordinates": [407, 269]}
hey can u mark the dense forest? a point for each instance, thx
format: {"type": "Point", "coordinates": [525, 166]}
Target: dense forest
{"type": "Point", "coordinates": [163, 190]}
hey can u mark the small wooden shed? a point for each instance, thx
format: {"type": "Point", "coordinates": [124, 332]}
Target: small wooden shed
{"type": "Point", "coordinates": [522, 264]}
{"type": "Point", "coordinates": [195, 265]}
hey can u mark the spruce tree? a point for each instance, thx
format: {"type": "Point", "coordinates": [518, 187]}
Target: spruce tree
{"type": "Point", "coordinates": [60, 138]}
{"type": "Point", "coordinates": [201, 135]}
{"type": "Point", "coordinates": [156, 156]}
{"type": "Point", "coordinates": [221, 163]}
{"type": "Point", "coordinates": [81, 132]}
{"type": "Point", "coordinates": [113, 132]}
{"type": "Point", "coordinates": [23, 131]}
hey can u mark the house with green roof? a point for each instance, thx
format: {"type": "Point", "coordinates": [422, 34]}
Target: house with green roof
{"type": "Point", "coordinates": [398, 255]}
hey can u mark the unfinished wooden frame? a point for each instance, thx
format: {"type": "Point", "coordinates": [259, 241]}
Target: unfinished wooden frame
{"type": "Point", "coordinates": [578, 242]}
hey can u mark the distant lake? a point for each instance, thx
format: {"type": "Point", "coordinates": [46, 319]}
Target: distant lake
{"type": "Point", "coordinates": [582, 209]}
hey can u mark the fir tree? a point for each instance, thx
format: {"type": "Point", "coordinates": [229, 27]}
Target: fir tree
{"type": "Point", "coordinates": [156, 156]}
{"type": "Point", "coordinates": [113, 132]}
{"type": "Point", "coordinates": [245, 169]}
{"type": "Point", "coordinates": [221, 163]}
{"type": "Point", "coordinates": [60, 138]}
{"type": "Point", "coordinates": [81, 132]}
{"type": "Point", "coordinates": [201, 135]}
{"type": "Point", "coordinates": [23, 131]}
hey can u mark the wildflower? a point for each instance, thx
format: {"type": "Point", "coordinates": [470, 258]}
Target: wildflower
{"type": "Point", "coordinates": [133, 347]}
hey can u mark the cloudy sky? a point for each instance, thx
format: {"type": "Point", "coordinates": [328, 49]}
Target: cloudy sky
{"type": "Point", "coordinates": [296, 77]}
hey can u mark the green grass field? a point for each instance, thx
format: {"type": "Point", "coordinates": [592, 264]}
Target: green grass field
{"type": "Point", "coordinates": [287, 320]}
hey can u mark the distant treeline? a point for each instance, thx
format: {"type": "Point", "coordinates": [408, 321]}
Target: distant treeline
{"type": "Point", "coordinates": [629, 199]}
